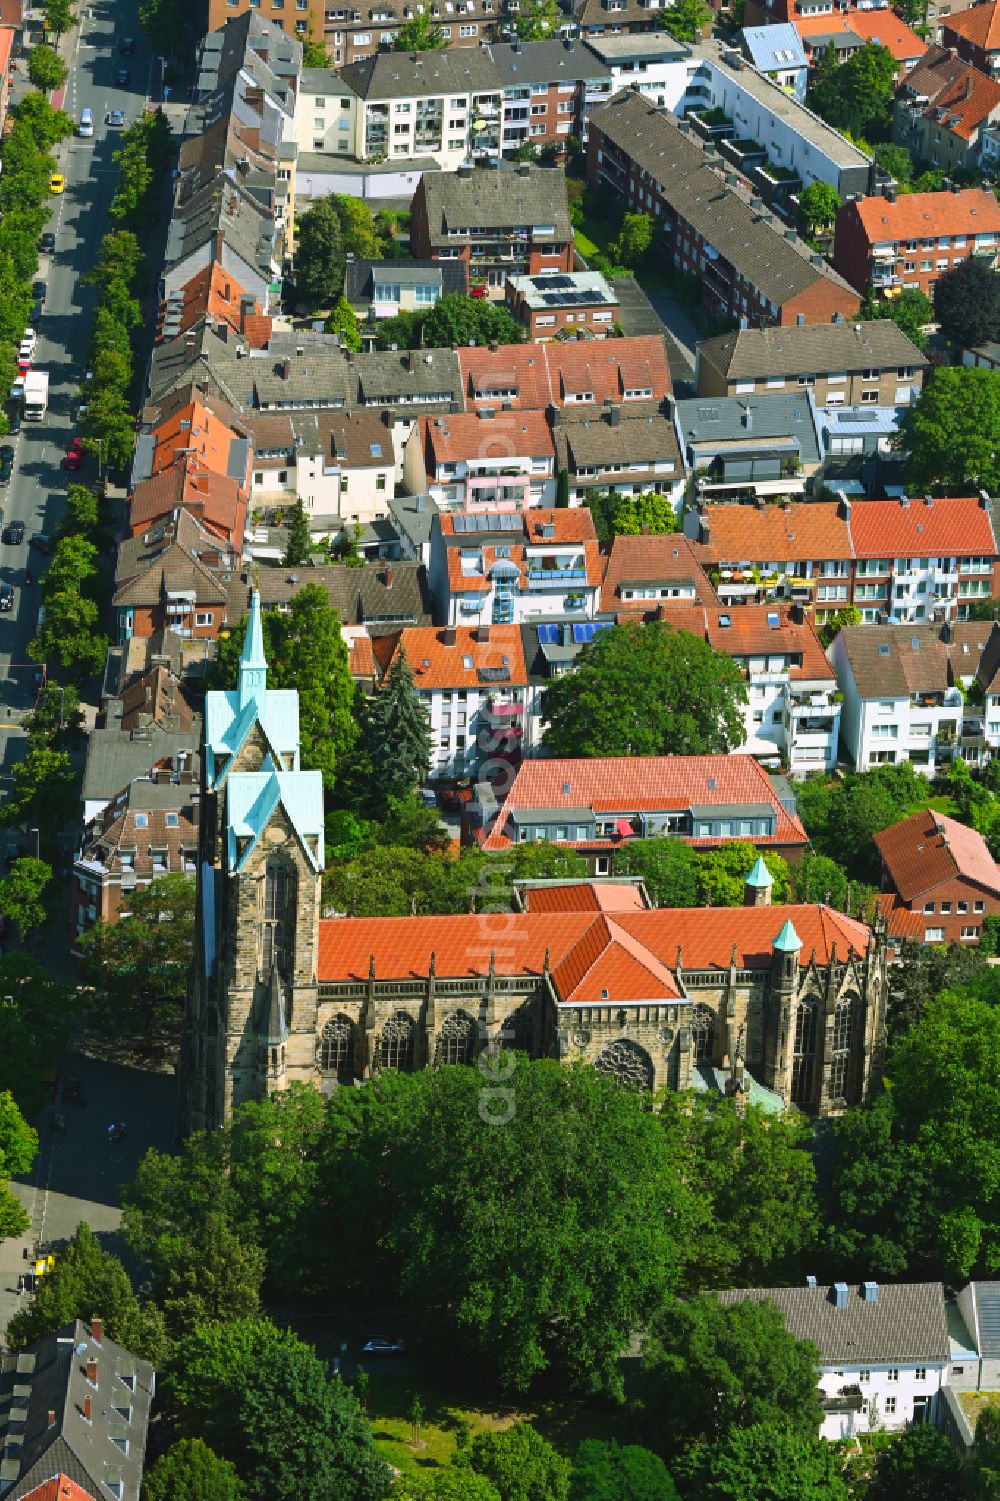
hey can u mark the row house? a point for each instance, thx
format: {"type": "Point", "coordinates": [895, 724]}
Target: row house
{"type": "Point", "coordinates": [911, 239]}
{"type": "Point", "coordinates": [595, 805]}
{"type": "Point", "coordinates": [549, 307]}
{"type": "Point", "coordinates": [844, 364]}
{"type": "Point", "coordinates": [340, 465]}
{"type": "Point", "coordinates": [227, 225]}
{"type": "Point", "coordinates": [904, 694]}
{"type": "Point", "coordinates": [351, 32]}
{"type": "Point", "coordinates": [174, 575]}
{"type": "Point", "coordinates": [630, 449]}
{"type": "Point", "coordinates": [376, 601]}
{"type": "Point", "coordinates": [213, 296]}
{"type": "Point", "coordinates": [750, 266]}
{"type": "Point", "coordinates": [473, 686]}
{"type": "Point", "coordinates": [382, 289]}
{"type": "Point", "coordinates": [443, 106]}
{"type": "Point", "coordinates": [509, 568]}
{"type": "Point", "coordinates": [549, 89]}
{"type": "Point", "coordinates": [565, 375]}
{"type": "Point", "coordinates": [850, 29]}
{"type": "Point", "coordinates": [974, 34]}
{"type": "Point", "coordinates": [942, 871]}
{"type": "Point", "coordinates": [216, 502]}
{"type": "Point", "coordinates": [739, 446]}
{"type": "Point", "coordinates": [500, 223]}
{"type": "Point", "coordinates": [483, 461]}
{"type": "Point", "coordinates": [943, 111]}
{"type": "Point", "coordinates": [646, 577]}
{"type": "Point", "coordinates": [921, 560]}
{"type": "Point", "coordinates": [149, 830]}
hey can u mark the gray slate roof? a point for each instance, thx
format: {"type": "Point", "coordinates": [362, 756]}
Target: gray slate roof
{"type": "Point", "coordinates": [115, 757]}
{"type": "Point", "coordinates": [595, 442]}
{"type": "Point", "coordinates": [892, 661]}
{"type": "Point", "coordinates": [753, 353]}
{"type": "Point", "coordinates": [986, 1296]}
{"type": "Point", "coordinates": [246, 226]}
{"type": "Point", "coordinates": [51, 1376]}
{"type": "Point", "coordinates": [497, 200]}
{"type": "Point", "coordinates": [905, 1323]}
{"type": "Point", "coordinates": [361, 275]}
{"type": "Point", "coordinates": [615, 48]}
{"type": "Point", "coordinates": [774, 259]}
{"type": "Point", "coordinates": [721, 420]}
{"type": "Point", "coordinates": [380, 595]}
{"type": "Point", "coordinates": [414, 75]}
{"type": "Point", "coordinates": [551, 61]}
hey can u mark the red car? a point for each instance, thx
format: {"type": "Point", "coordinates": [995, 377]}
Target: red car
{"type": "Point", "coordinates": [478, 293]}
{"type": "Point", "coordinates": [23, 364]}
{"type": "Point", "coordinates": [74, 457]}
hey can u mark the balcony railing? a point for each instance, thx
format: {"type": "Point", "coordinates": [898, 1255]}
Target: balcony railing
{"type": "Point", "coordinates": [557, 575]}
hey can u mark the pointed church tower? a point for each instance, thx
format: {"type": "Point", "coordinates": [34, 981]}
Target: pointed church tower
{"type": "Point", "coordinates": [251, 1013]}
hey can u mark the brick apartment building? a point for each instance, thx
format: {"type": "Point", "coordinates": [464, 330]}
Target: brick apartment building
{"type": "Point", "coordinates": [749, 264]}
{"type": "Point", "coordinates": [943, 870]}
{"type": "Point", "coordinates": [974, 34]}
{"type": "Point", "coordinates": [910, 239]}
{"type": "Point", "coordinates": [546, 305]}
{"type": "Point", "coordinates": [844, 364]}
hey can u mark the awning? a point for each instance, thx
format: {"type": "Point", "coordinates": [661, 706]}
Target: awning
{"type": "Point", "coordinates": [624, 828]}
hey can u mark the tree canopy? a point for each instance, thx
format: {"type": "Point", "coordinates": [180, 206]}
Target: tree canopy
{"type": "Point", "coordinates": [521, 1464]}
{"type": "Point", "coordinates": [818, 204]}
{"type": "Point", "coordinates": [18, 1146]}
{"type": "Point", "coordinates": [396, 733]}
{"type": "Point", "coordinates": [911, 311]}
{"type": "Point", "coordinates": [952, 432]}
{"type": "Point", "coordinates": [857, 94]}
{"type": "Point", "coordinates": [967, 303]}
{"type": "Point", "coordinates": [189, 1471]}
{"type": "Point", "coordinates": [646, 690]}
{"type": "Point", "coordinates": [687, 20]}
{"type": "Point", "coordinates": [604, 1470]}
{"type": "Point", "coordinates": [37, 1016]}
{"type": "Point", "coordinates": [319, 254]}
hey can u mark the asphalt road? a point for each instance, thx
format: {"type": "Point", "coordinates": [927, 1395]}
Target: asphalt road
{"type": "Point", "coordinates": [79, 219]}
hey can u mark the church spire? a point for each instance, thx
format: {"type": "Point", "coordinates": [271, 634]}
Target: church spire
{"type": "Point", "coordinates": [253, 663]}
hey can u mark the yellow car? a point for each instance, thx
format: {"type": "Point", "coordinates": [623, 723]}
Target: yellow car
{"type": "Point", "coordinates": [57, 183]}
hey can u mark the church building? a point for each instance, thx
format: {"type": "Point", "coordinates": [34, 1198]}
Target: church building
{"type": "Point", "coordinates": [790, 999]}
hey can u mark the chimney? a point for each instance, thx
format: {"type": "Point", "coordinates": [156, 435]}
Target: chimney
{"type": "Point", "coordinates": [465, 172]}
{"type": "Point", "coordinates": [869, 1292]}
{"type": "Point", "coordinates": [969, 86]}
{"type": "Point", "coordinates": [817, 261]}
{"type": "Point", "coordinates": [747, 418]}
{"type": "Point", "coordinates": [246, 309]}
{"type": "Point", "coordinates": [387, 576]}
{"type": "Point", "coordinates": [286, 369]}
{"type": "Point", "coordinates": [219, 241]}
{"type": "Point", "coordinates": [88, 1408]}
{"type": "Point", "coordinates": [928, 501]}
{"type": "Point", "coordinates": [92, 1370]}
{"type": "Point", "coordinates": [52, 1417]}
{"type": "Point", "coordinates": [810, 1281]}
{"type": "Point", "coordinates": [796, 614]}
{"type": "Point", "coordinates": [844, 509]}
{"type": "Point", "coordinates": [524, 169]}
{"type": "Point", "coordinates": [890, 195]}
{"type": "Point", "coordinates": [614, 414]}
{"type": "Point", "coordinates": [482, 633]}
{"type": "Point", "coordinates": [790, 236]}
{"type": "Point", "coordinates": [838, 1295]}
{"type": "Point", "coordinates": [450, 636]}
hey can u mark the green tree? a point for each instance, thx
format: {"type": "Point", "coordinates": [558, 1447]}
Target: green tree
{"type": "Point", "coordinates": [668, 867]}
{"type": "Point", "coordinates": [911, 311]}
{"type": "Point", "coordinates": [834, 624]}
{"type": "Point", "coordinates": [263, 1400]}
{"type": "Point", "coordinates": [44, 792]}
{"type": "Point", "coordinates": [393, 881]}
{"type": "Point", "coordinates": [817, 878]}
{"type": "Point", "coordinates": [896, 161]}
{"type": "Point", "coordinates": [953, 432]}
{"type": "Point", "coordinates": [167, 25]}
{"type": "Point", "coordinates": [359, 228]}
{"type": "Point", "coordinates": [86, 1281]}
{"type": "Point", "coordinates": [138, 966]}
{"type": "Point", "coordinates": [297, 544]}
{"type": "Point", "coordinates": [342, 321]}
{"type": "Point", "coordinates": [646, 690]}
{"type": "Point", "coordinates": [711, 1369]}
{"type": "Point", "coordinates": [967, 303]}
{"type": "Point", "coordinates": [305, 651]}
{"type": "Point", "coordinates": [722, 874]}
{"type": "Point", "coordinates": [214, 1276]}
{"type": "Point", "coordinates": [856, 95]}
{"type": "Point", "coordinates": [634, 240]}
{"type": "Point", "coordinates": [634, 514]}
{"type": "Point", "coordinates": [38, 124]}
{"type": "Point", "coordinates": [922, 1465]}
{"type": "Point", "coordinates": [453, 1482]}
{"type": "Point", "coordinates": [537, 20]}
{"type": "Point", "coordinates": [521, 1464]}
{"type": "Point", "coordinates": [818, 205]}
{"type": "Point", "coordinates": [494, 1279]}
{"type": "Point", "coordinates": [18, 1147]}
{"type": "Point", "coordinates": [37, 1015]}
{"type": "Point", "coordinates": [70, 634]}
{"type": "Point", "coordinates": [988, 1451]}
{"type": "Point", "coordinates": [319, 254]}
{"type": "Point", "coordinates": [403, 331]}
{"type": "Point", "coordinates": [767, 1462]}
{"type": "Point", "coordinates": [687, 20]}
{"type": "Point", "coordinates": [46, 69]}
{"type": "Point", "coordinates": [189, 1471]}
{"type": "Point", "coordinates": [925, 971]}
{"type": "Point", "coordinates": [59, 16]}
{"type": "Point", "coordinates": [397, 733]}
{"type": "Point", "coordinates": [460, 320]}
{"type": "Point", "coordinates": [843, 816]}
{"type": "Point", "coordinates": [314, 54]}
{"type": "Point", "coordinates": [420, 34]}
{"type": "Point", "coordinates": [604, 1470]}
{"type": "Point", "coordinates": [22, 895]}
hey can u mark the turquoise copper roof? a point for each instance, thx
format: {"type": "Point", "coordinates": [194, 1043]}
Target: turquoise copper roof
{"type": "Point", "coordinates": [253, 797]}
{"type": "Point", "coordinates": [787, 941]}
{"type": "Point", "coordinates": [759, 875]}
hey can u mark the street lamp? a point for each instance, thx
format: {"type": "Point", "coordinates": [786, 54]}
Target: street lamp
{"type": "Point", "coordinates": [38, 854]}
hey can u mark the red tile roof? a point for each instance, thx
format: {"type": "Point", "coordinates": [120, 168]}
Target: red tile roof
{"type": "Point", "coordinates": [903, 923]}
{"type": "Point", "coordinates": [927, 215]}
{"type": "Point", "coordinates": [628, 784]}
{"type": "Point", "coordinates": [217, 501]}
{"type": "Point", "coordinates": [800, 531]}
{"type": "Point", "coordinates": [446, 665]}
{"type": "Point", "coordinates": [632, 956]}
{"type": "Point", "coordinates": [6, 44]}
{"type": "Point", "coordinates": [58, 1488]}
{"type": "Point", "coordinates": [466, 435]}
{"type": "Point", "coordinates": [750, 633]}
{"type": "Point", "coordinates": [928, 848]}
{"type": "Point", "coordinates": [885, 27]}
{"type": "Point", "coordinates": [573, 527]}
{"type": "Point", "coordinates": [957, 90]}
{"type": "Point", "coordinates": [196, 430]}
{"type": "Point", "coordinates": [583, 896]}
{"type": "Point", "coordinates": [540, 374]}
{"type": "Point", "coordinates": [640, 560]}
{"type": "Point", "coordinates": [980, 24]}
{"type": "Point", "coordinates": [894, 528]}
{"type": "Point", "coordinates": [361, 657]}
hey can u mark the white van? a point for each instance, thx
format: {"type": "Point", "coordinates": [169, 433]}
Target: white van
{"type": "Point", "coordinates": [86, 126]}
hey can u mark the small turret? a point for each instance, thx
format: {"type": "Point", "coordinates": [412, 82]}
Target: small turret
{"type": "Point", "coordinates": [757, 885]}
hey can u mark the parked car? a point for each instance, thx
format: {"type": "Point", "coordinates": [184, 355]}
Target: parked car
{"type": "Point", "coordinates": [41, 541]}
{"type": "Point", "coordinates": [38, 290]}
{"type": "Point", "coordinates": [17, 389]}
{"type": "Point", "coordinates": [74, 455]}
{"type": "Point", "coordinates": [6, 598]}
{"type": "Point", "coordinates": [115, 118]}
{"type": "Point", "coordinates": [29, 337]}
{"type": "Point", "coordinates": [428, 797]}
{"type": "Point", "coordinates": [14, 421]}
{"type": "Point", "coordinates": [384, 1347]}
{"type": "Point", "coordinates": [47, 243]}
{"type": "Point", "coordinates": [36, 312]}
{"type": "Point", "coordinates": [6, 462]}
{"type": "Point", "coordinates": [15, 533]}
{"type": "Point", "coordinates": [126, 46]}
{"type": "Point", "coordinates": [57, 183]}
{"type": "Point", "coordinates": [121, 77]}
{"type": "Point", "coordinates": [450, 799]}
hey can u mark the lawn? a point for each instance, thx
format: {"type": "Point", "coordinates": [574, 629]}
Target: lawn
{"type": "Point", "coordinates": [390, 1399]}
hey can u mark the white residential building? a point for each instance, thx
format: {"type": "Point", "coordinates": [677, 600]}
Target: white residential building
{"type": "Point", "coordinates": [884, 1350]}
{"type": "Point", "coordinates": [511, 568]}
{"type": "Point", "coordinates": [488, 460]}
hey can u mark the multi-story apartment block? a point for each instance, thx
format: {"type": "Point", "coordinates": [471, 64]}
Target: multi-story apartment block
{"type": "Point", "coordinates": [630, 449]}
{"type": "Point", "coordinates": [602, 18]}
{"type": "Point", "coordinates": [736, 447]}
{"type": "Point", "coordinates": [943, 109]}
{"type": "Point", "coordinates": [843, 364]}
{"type": "Point", "coordinates": [582, 302]}
{"type": "Point", "coordinates": [549, 89]}
{"type": "Point", "coordinates": [150, 829]}
{"type": "Point", "coordinates": [341, 465]}
{"type": "Point", "coordinates": [503, 568]}
{"type": "Point", "coordinates": [352, 32]}
{"type": "Point", "coordinates": [500, 223]}
{"type": "Point", "coordinates": [921, 560]}
{"type": "Point", "coordinates": [573, 374]}
{"type": "Point", "coordinates": [750, 266]}
{"type": "Point", "coordinates": [974, 34]}
{"type": "Point", "coordinates": [655, 64]}
{"type": "Point", "coordinates": [486, 460]}
{"type": "Point", "coordinates": [910, 239]}
{"type": "Point", "coordinates": [904, 693]}
{"type": "Point", "coordinates": [943, 871]}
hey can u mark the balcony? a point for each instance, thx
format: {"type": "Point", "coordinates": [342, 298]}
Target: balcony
{"type": "Point", "coordinates": [711, 124]}
{"type": "Point", "coordinates": [557, 576]}
{"type": "Point", "coordinates": [506, 711]}
{"type": "Point", "coordinates": [821, 727]}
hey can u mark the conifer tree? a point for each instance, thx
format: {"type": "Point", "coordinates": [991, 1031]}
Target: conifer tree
{"type": "Point", "coordinates": [397, 734]}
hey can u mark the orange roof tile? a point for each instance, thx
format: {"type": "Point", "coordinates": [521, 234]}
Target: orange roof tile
{"type": "Point", "coordinates": [980, 24]}
{"type": "Point", "coordinates": [959, 96]}
{"type": "Point", "coordinates": [193, 429]}
{"type": "Point", "coordinates": [459, 665]}
{"type": "Point", "coordinates": [888, 30]}
{"type": "Point", "coordinates": [6, 44]}
{"type": "Point", "coordinates": [213, 294]}
{"type": "Point", "coordinates": [892, 528]}
{"type": "Point", "coordinates": [466, 435]}
{"type": "Point", "coordinates": [927, 215]}
{"type": "Point", "coordinates": [630, 784]}
{"type": "Point", "coordinates": [535, 375]}
{"type": "Point", "coordinates": [58, 1488]}
{"type": "Point", "coordinates": [928, 848]}
{"type": "Point", "coordinates": [628, 956]}
{"type": "Point", "coordinates": [800, 531]}
{"type": "Point", "coordinates": [217, 501]}
{"type": "Point", "coordinates": [641, 560]}
{"type": "Point", "coordinates": [361, 657]}
{"type": "Point", "coordinates": [902, 922]}
{"type": "Point", "coordinates": [573, 527]}
{"type": "Point", "coordinates": [583, 896]}
{"type": "Point", "coordinates": [750, 632]}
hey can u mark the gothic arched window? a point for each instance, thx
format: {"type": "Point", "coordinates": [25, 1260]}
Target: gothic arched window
{"type": "Point", "coordinates": [845, 1027]}
{"type": "Point", "coordinates": [277, 934]}
{"type": "Point", "coordinates": [703, 1034]}
{"type": "Point", "coordinates": [627, 1063]}
{"type": "Point", "coordinates": [457, 1039]}
{"type": "Point", "coordinates": [804, 1051]}
{"type": "Point", "coordinates": [517, 1030]}
{"type": "Point", "coordinates": [396, 1043]}
{"type": "Point", "coordinates": [336, 1048]}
